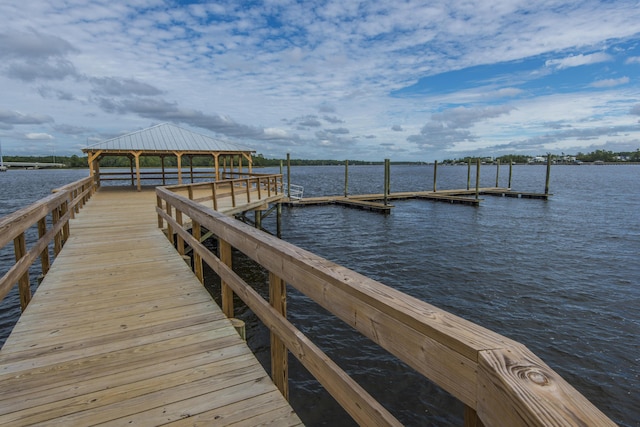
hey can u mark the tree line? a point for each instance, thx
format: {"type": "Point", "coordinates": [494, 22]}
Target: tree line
{"type": "Point", "coordinates": [260, 161]}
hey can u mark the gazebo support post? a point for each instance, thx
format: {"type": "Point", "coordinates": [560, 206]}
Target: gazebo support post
{"type": "Point", "coordinates": [137, 156]}
{"type": "Point", "coordinates": [179, 161]}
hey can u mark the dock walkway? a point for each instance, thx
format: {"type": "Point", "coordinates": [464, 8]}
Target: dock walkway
{"type": "Point", "coordinates": [373, 202]}
{"type": "Point", "coordinates": [121, 332]}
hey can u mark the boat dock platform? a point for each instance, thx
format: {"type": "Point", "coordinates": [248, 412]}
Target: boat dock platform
{"type": "Point", "coordinates": [374, 202]}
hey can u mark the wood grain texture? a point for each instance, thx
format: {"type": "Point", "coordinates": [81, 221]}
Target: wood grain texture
{"type": "Point", "coordinates": [120, 331]}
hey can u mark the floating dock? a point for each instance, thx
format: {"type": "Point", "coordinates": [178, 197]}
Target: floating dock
{"type": "Point", "coordinates": [374, 202]}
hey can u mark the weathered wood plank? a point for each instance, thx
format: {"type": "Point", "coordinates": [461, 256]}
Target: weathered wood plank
{"type": "Point", "coordinates": [120, 327]}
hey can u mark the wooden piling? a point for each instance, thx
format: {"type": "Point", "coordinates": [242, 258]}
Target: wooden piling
{"type": "Point", "coordinates": [288, 175]}
{"type": "Point", "coordinates": [478, 179]}
{"type": "Point", "coordinates": [387, 171]}
{"type": "Point", "coordinates": [346, 178]}
{"type": "Point", "coordinates": [510, 172]}
{"type": "Point", "coordinates": [498, 173]}
{"type": "Point", "coordinates": [435, 175]}
{"type": "Point", "coordinates": [279, 221]}
{"type": "Point", "coordinates": [258, 219]}
{"type": "Point", "coordinates": [468, 174]}
{"type": "Point", "coordinates": [240, 327]}
{"type": "Point", "coordinates": [546, 183]}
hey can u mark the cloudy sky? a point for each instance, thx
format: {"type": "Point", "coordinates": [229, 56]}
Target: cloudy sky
{"type": "Point", "coordinates": [405, 80]}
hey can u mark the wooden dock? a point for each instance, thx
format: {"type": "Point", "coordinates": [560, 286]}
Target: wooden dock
{"type": "Point", "coordinates": [121, 332]}
{"type": "Point", "coordinates": [373, 202]}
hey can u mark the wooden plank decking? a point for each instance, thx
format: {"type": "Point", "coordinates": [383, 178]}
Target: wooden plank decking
{"type": "Point", "coordinates": [368, 201]}
{"type": "Point", "coordinates": [121, 332]}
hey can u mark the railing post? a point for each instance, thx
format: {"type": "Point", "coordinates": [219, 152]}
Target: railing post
{"type": "Point", "coordinates": [159, 204]}
{"type": "Point", "coordinates": [248, 191]}
{"type": "Point", "coordinates": [233, 194]}
{"type": "Point", "coordinates": [226, 292]}
{"type": "Point", "coordinates": [169, 227]}
{"type": "Point", "coordinates": [279, 353]}
{"type": "Point", "coordinates": [214, 185]}
{"type": "Point", "coordinates": [259, 189]}
{"type": "Point", "coordinates": [180, 239]}
{"type": "Point", "coordinates": [65, 227]}
{"type": "Point", "coordinates": [76, 208]}
{"type": "Point", "coordinates": [197, 259]}
{"type": "Point", "coordinates": [471, 418]}
{"type": "Point", "coordinates": [190, 191]}
{"type": "Point", "coordinates": [57, 240]}
{"type": "Point", "coordinates": [44, 255]}
{"type": "Point", "coordinates": [20, 248]}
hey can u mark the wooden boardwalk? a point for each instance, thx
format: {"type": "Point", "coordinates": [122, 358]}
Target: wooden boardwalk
{"type": "Point", "coordinates": [121, 332]}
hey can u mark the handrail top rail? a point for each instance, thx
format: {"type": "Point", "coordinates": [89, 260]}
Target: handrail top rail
{"type": "Point", "coordinates": [254, 177]}
{"type": "Point", "coordinates": [16, 223]}
{"type": "Point", "coordinates": [74, 184]}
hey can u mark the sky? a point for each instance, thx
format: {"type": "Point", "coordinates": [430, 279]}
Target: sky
{"type": "Point", "coordinates": [405, 80]}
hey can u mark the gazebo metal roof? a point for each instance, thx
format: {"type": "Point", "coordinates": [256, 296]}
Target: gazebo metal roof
{"type": "Point", "coordinates": [166, 137]}
{"type": "Point", "coordinates": [164, 140]}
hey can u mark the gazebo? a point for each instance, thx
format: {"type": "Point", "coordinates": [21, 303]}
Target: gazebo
{"type": "Point", "coordinates": [167, 140]}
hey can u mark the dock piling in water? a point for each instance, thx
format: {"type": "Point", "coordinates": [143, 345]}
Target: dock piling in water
{"type": "Point", "coordinates": [546, 184]}
{"type": "Point", "coordinates": [346, 178]}
{"type": "Point", "coordinates": [387, 180]}
{"type": "Point", "coordinates": [435, 175]}
{"type": "Point", "coordinates": [478, 179]}
{"type": "Point", "coordinates": [510, 172]}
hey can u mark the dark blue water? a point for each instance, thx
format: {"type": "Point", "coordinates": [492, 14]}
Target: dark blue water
{"type": "Point", "coordinates": [560, 276]}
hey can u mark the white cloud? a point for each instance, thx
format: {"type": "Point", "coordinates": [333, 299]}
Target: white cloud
{"type": "Point", "coordinates": [282, 74]}
{"type": "Point", "coordinates": [578, 60]}
{"type": "Point", "coordinates": [38, 136]}
{"type": "Point", "coordinates": [610, 82]}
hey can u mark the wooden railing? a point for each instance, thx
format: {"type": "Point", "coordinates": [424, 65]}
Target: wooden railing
{"type": "Point", "coordinates": [500, 381]}
{"type": "Point", "coordinates": [61, 206]}
{"type": "Point", "coordinates": [155, 176]}
{"type": "Point", "coordinates": [235, 192]}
